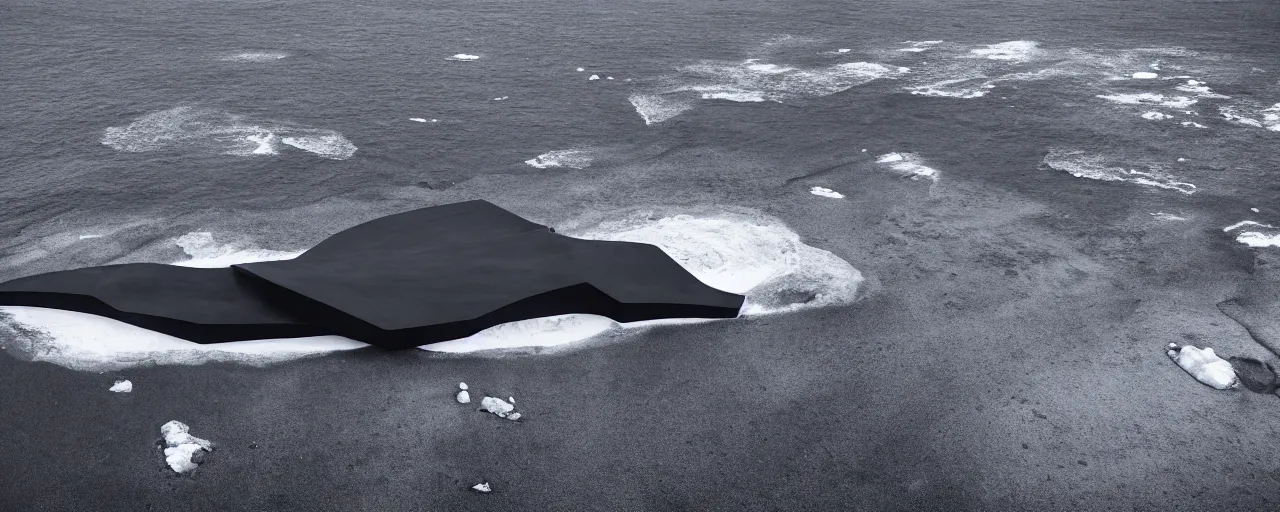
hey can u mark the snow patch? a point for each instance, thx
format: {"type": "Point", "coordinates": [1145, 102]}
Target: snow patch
{"type": "Point", "coordinates": [1204, 365]}
{"type": "Point", "coordinates": [910, 165]}
{"type": "Point", "coordinates": [181, 446]}
{"type": "Point", "coordinates": [826, 192]}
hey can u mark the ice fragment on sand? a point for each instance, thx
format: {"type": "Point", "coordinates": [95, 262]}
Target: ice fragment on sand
{"type": "Point", "coordinates": [825, 192]}
{"type": "Point", "coordinates": [181, 446]}
{"type": "Point", "coordinates": [464, 397]}
{"type": "Point", "coordinates": [1205, 366]}
{"type": "Point", "coordinates": [462, 385]}
{"type": "Point", "coordinates": [496, 406]}
{"type": "Point", "coordinates": [122, 386]}
{"type": "Point", "coordinates": [484, 487]}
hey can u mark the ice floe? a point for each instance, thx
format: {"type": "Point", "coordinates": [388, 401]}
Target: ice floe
{"type": "Point", "coordinates": [121, 386]}
{"type": "Point", "coordinates": [1084, 165]}
{"type": "Point", "coordinates": [181, 446]}
{"type": "Point", "coordinates": [1204, 365]}
{"type": "Point", "coordinates": [593, 77]}
{"type": "Point", "coordinates": [570, 158]}
{"type": "Point", "coordinates": [213, 131]}
{"type": "Point", "coordinates": [463, 57]}
{"type": "Point", "coordinates": [417, 119]}
{"type": "Point", "coordinates": [826, 192]}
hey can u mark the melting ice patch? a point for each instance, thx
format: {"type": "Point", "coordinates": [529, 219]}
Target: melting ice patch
{"type": "Point", "coordinates": [826, 192]}
{"type": "Point", "coordinates": [180, 446]}
{"type": "Point", "coordinates": [1255, 234]}
{"type": "Point", "coordinates": [1204, 365]}
{"type": "Point", "coordinates": [746, 254]}
{"type": "Point", "coordinates": [81, 341]}
{"type": "Point", "coordinates": [88, 342]}
{"type": "Point", "coordinates": [212, 131]}
{"type": "Point", "coordinates": [254, 57]}
{"type": "Point", "coordinates": [571, 158]}
{"type": "Point", "coordinates": [1082, 165]}
{"type": "Point", "coordinates": [910, 165]}
{"type": "Point", "coordinates": [656, 108]}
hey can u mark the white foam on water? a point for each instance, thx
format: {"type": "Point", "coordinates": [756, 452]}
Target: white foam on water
{"type": "Point", "coordinates": [1149, 98]}
{"type": "Point", "coordinates": [654, 108]}
{"type": "Point", "coordinates": [826, 192]}
{"type": "Point", "coordinates": [909, 165]}
{"type": "Point", "coordinates": [1168, 216]}
{"type": "Point", "coordinates": [1193, 124]}
{"type": "Point", "coordinates": [963, 88]}
{"type": "Point", "coordinates": [1199, 89]}
{"type": "Point", "coordinates": [1145, 75]}
{"type": "Point", "coordinates": [87, 237]}
{"type": "Point", "coordinates": [571, 158]}
{"type": "Point", "coordinates": [754, 81]}
{"type": "Point", "coordinates": [1205, 366]}
{"type": "Point", "coordinates": [1230, 114]}
{"type": "Point", "coordinates": [1083, 165]}
{"type": "Point", "coordinates": [1014, 51]}
{"type": "Point", "coordinates": [121, 386]}
{"type": "Point", "coordinates": [265, 143]}
{"type": "Point", "coordinates": [417, 119]}
{"type": "Point", "coordinates": [332, 145]}
{"type": "Point", "coordinates": [204, 252]}
{"type": "Point", "coordinates": [254, 57]}
{"type": "Point", "coordinates": [463, 57]}
{"type": "Point", "coordinates": [1155, 116]}
{"type": "Point", "coordinates": [1257, 234]}
{"type": "Point", "coordinates": [213, 131]}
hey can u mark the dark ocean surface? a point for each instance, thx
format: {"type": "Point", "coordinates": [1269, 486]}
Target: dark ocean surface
{"type": "Point", "coordinates": [1057, 216]}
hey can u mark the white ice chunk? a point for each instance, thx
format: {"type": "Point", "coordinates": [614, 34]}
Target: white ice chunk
{"type": "Point", "coordinates": [1145, 75]}
{"type": "Point", "coordinates": [181, 446]}
{"type": "Point", "coordinates": [496, 406]}
{"type": "Point", "coordinates": [417, 119]}
{"type": "Point", "coordinates": [464, 56]}
{"type": "Point", "coordinates": [462, 385]}
{"type": "Point", "coordinates": [464, 397]}
{"type": "Point", "coordinates": [1205, 366]}
{"type": "Point", "coordinates": [122, 386]}
{"type": "Point", "coordinates": [484, 487]}
{"type": "Point", "coordinates": [593, 77]}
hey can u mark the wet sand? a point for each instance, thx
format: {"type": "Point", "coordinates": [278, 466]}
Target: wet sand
{"type": "Point", "coordinates": [1003, 358]}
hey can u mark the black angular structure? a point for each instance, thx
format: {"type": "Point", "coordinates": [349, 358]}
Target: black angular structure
{"type": "Point", "coordinates": [204, 305]}
{"type": "Point", "coordinates": [401, 281]}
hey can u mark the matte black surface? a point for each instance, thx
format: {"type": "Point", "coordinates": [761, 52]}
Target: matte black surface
{"type": "Point", "coordinates": [447, 272]}
{"type": "Point", "coordinates": [204, 305]}
{"type": "Point", "coordinates": [427, 275]}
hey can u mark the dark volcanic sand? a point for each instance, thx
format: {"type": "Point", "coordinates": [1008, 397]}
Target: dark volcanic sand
{"type": "Point", "coordinates": [992, 366]}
